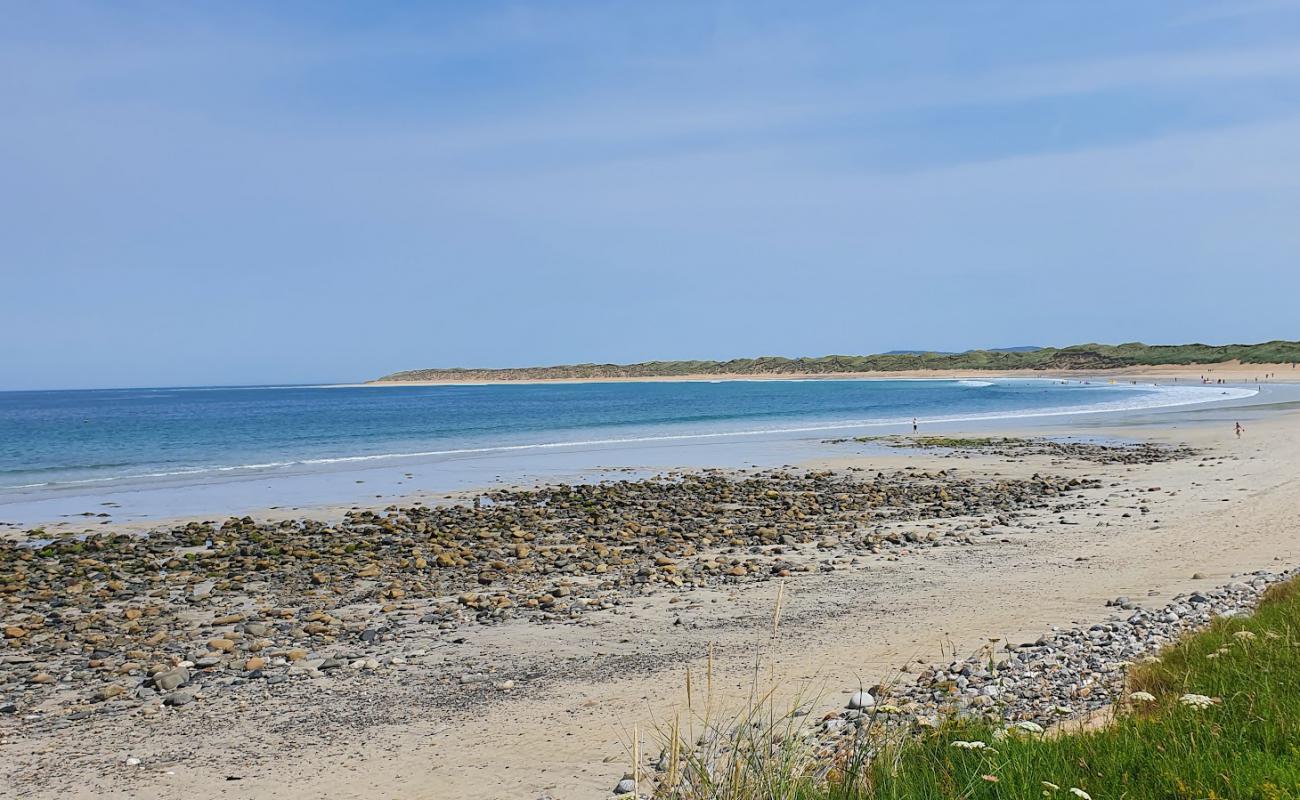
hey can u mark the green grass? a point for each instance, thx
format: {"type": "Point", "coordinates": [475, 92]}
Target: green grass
{"type": "Point", "coordinates": [1246, 745]}
{"type": "Point", "coordinates": [1076, 357]}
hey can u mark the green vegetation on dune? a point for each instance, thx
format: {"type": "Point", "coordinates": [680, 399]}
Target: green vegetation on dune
{"type": "Point", "coordinates": [1244, 744]}
{"type": "Point", "coordinates": [1076, 357]}
{"type": "Point", "coordinates": [1217, 715]}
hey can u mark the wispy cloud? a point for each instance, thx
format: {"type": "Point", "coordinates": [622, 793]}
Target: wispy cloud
{"type": "Point", "coordinates": [503, 183]}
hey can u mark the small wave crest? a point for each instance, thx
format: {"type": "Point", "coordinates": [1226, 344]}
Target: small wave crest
{"type": "Point", "coordinates": [1157, 397]}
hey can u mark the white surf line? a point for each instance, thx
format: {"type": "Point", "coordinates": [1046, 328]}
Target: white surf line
{"type": "Point", "coordinates": [1230, 393]}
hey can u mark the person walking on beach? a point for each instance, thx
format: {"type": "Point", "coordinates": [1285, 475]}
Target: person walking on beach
{"type": "Point", "coordinates": [913, 424]}
{"type": "Point", "coordinates": [1239, 430]}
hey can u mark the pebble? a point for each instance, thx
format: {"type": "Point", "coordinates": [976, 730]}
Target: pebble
{"type": "Point", "coordinates": [171, 679]}
{"type": "Point", "coordinates": [1065, 673]}
{"type": "Point", "coordinates": [186, 606]}
{"type": "Point", "coordinates": [181, 697]}
{"type": "Point", "coordinates": [861, 699]}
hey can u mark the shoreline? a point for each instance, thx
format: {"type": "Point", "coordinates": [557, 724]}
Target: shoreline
{"type": "Point", "coordinates": [401, 729]}
{"type": "Point", "coordinates": [336, 483]}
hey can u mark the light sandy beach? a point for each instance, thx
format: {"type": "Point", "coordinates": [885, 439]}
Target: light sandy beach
{"type": "Point", "coordinates": [446, 401]}
{"type": "Point", "coordinates": [565, 698]}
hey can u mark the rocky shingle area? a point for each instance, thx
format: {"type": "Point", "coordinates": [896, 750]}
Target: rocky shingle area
{"type": "Point", "coordinates": [1064, 674]}
{"type": "Point", "coordinates": [1015, 447]}
{"type": "Point", "coordinates": [122, 622]}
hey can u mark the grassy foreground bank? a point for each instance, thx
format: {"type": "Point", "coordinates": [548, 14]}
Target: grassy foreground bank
{"type": "Point", "coordinates": [1216, 716]}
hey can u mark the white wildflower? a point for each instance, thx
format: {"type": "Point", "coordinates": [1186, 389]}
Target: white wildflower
{"type": "Point", "coordinates": [1272, 635]}
{"type": "Point", "coordinates": [1079, 793]}
{"type": "Point", "coordinates": [1029, 727]}
{"type": "Point", "coordinates": [1245, 636]}
{"type": "Point", "coordinates": [1211, 656]}
{"type": "Point", "coordinates": [1050, 785]}
{"type": "Point", "coordinates": [1196, 700]}
{"type": "Point", "coordinates": [1142, 697]}
{"type": "Point", "coordinates": [976, 745]}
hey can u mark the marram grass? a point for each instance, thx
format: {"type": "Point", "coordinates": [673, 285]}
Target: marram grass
{"type": "Point", "coordinates": [1216, 716]}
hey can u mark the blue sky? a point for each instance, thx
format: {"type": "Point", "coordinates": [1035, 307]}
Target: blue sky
{"type": "Point", "coordinates": [205, 193]}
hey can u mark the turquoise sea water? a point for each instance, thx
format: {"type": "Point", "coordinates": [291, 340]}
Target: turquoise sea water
{"type": "Point", "coordinates": [81, 444]}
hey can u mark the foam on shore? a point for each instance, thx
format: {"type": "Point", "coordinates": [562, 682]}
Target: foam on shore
{"type": "Point", "coordinates": [1152, 397]}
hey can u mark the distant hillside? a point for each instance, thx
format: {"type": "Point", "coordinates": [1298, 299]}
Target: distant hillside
{"type": "Point", "coordinates": [1021, 349]}
{"type": "Point", "coordinates": [1076, 357]}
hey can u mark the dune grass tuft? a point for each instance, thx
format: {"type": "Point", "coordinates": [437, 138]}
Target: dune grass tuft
{"type": "Point", "coordinates": [1216, 715]}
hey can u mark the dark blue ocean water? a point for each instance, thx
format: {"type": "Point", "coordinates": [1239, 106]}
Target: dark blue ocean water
{"type": "Point", "coordinates": [60, 439]}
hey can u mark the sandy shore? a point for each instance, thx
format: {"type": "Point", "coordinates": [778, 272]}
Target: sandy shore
{"type": "Point", "coordinates": [1230, 371]}
{"type": "Point", "coordinates": [558, 703]}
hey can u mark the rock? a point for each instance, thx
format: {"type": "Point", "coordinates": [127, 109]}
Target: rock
{"type": "Point", "coordinates": [861, 699]}
{"type": "Point", "coordinates": [14, 632]}
{"type": "Point", "coordinates": [171, 679]}
{"type": "Point", "coordinates": [105, 693]}
{"type": "Point", "coordinates": [182, 697]}
{"type": "Point", "coordinates": [625, 786]}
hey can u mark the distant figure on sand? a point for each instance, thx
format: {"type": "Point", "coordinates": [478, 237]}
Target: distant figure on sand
{"type": "Point", "coordinates": [913, 424]}
{"type": "Point", "coordinates": [1239, 430]}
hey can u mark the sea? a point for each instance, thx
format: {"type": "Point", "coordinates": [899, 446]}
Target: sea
{"type": "Point", "coordinates": [114, 455]}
